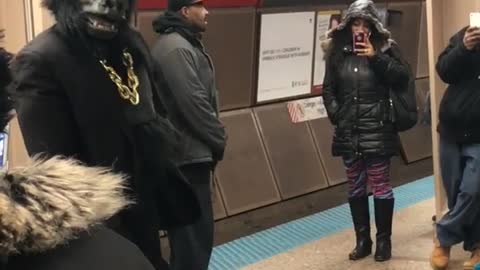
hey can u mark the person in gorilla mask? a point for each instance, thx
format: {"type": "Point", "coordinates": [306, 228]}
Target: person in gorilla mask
{"type": "Point", "coordinates": [83, 89]}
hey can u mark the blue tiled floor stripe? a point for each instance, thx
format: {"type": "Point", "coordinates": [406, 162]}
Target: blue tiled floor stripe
{"type": "Point", "coordinates": [285, 237]}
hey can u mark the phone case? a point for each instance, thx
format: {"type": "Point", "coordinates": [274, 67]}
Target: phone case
{"type": "Point", "coordinates": [475, 19]}
{"type": "Point", "coordinates": [358, 38]}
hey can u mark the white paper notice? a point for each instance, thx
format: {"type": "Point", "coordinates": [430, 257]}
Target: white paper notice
{"type": "Point", "coordinates": [286, 55]}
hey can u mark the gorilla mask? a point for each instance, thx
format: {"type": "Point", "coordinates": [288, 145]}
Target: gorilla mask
{"type": "Point", "coordinates": [104, 18]}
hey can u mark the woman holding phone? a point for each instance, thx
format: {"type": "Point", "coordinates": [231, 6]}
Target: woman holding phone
{"type": "Point", "coordinates": [362, 63]}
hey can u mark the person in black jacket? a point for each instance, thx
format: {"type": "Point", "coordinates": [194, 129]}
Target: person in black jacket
{"type": "Point", "coordinates": [186, 73]}
{"type": "Point", "coordinates": [356, 95]}
{"type": "Point", "coordinates": [6, 107]}
{"type": "Point", "coordinates": [459, 128]}
{"type": "Point", "coordinates": [51, 214]}
{"type": "Point", "coordinates": [84, 88]}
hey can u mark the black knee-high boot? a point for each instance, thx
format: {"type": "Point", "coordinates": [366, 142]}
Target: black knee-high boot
{"type": "Point", "coordinates": [383, 220]}
{"type": "Point", "coordinates": [361, 222]}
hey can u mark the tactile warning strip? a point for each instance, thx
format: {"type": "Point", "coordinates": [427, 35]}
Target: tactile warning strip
{"type": "Point", "coordinates": [282, 238]}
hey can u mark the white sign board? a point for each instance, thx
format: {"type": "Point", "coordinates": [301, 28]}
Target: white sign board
{"type": "Point", "coordinates": [306, 109]}
{"type": "Point", "coordinates": [286, 55]}
{"type": "Point", "coordinates": [326, 20]}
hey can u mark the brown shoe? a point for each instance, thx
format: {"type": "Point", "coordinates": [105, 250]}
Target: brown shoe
{"type": "Point", "coordinates": [440, 257]}
{"type": "Point", "coordinates": [474, 260]}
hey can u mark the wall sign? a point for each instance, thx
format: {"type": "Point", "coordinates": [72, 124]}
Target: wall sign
{"type": "Point", "coordinates": [286, 55]}
{"type": "Point", "coordinates": [306, 109]}
{"type": "Point", "coordinates": [326, 20]}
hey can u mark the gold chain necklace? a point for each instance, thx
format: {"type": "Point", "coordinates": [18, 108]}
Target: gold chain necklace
{"type": "Point", "coordinates": [129, 92]}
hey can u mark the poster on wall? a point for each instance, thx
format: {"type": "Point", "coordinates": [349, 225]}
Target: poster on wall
{"type": "Point", "coordinates": [326, 20]}
{"type": "Point", "coordinates": [286, 55]}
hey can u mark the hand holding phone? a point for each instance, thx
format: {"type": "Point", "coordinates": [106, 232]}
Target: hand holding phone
{"type": "Point", "coordinates": [362, 45]}
{"type": "Point", "coordinates": [472, 35]}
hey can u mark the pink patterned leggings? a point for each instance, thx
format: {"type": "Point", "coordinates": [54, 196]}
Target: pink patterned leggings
{"type": "Point", "coordinates": [376, 171]}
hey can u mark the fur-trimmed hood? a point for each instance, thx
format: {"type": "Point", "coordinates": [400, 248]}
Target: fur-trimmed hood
{"type": "Point", "coordinates": [49, 202]}
{"type": "Point", "coordinates": [364, 9]}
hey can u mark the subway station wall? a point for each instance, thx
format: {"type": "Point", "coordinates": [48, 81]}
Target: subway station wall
{"type": "Point", "coordinates": [270, 158]}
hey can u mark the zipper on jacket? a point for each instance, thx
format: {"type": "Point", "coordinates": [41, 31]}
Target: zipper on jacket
{"type": "Point", "coordinates": [212, 67]}
{"type": "Point", "coordinates": [391, 110]}
{"type": "Point", "coordinates": [355, 135]}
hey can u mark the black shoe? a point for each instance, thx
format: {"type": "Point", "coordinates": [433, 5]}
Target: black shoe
{"type": "Point", "coordinates": [383, 220]}
{"type": "Point", "coordinates": [361, 222]}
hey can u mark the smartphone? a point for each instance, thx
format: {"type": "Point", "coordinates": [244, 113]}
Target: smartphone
{"type": "Point", "coordinates": [358, 38]}
{"type": "Point", "coordinates": [475, 19]}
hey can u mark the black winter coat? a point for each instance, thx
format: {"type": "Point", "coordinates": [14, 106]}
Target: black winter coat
{"type": "Point", "coordinates": [67, 105]}
{"type": "Point", "coordinates": [460, 106]}
{"type": "Point", "coordinates": [5, 78]}
{"type": "Point", "coordinates": [99, 249]}
{"type": "Point", "coordinates": [187, 77]}
{"type": "Point", "coordinates": [356, 94]}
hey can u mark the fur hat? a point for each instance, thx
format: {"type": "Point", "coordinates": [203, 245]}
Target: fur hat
{"type": "Point", "coordinates": [48, 202]}
{"type": "Point", "coordinates": [364, 9]}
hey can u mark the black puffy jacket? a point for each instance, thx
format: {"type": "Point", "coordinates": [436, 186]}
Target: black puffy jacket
{"type": "Point", "coordinates": [460, 107]}
{"type": "Point", "coordinates": [356, 98]}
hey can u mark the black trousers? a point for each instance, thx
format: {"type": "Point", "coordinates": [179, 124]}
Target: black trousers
{"type": "Point", "coordinates": [191, 246]}
{"type": "Point", "coordinates": [139, 223]}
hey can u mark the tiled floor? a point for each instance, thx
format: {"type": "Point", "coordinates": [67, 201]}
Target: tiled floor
{"type": "Point", "coordinates": [412, 239]}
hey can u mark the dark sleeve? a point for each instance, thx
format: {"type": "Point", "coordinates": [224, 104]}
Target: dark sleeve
{"type": "Point", "coordinates": [391, 66]}
{"type": "Point", "coordinates": [158, 103]}
{"type": "Point", "coordinates": [44, 113]}
{"type": "Point", "coordinates": [454, 60]}
{"type": "Point", "coordinates": [191, 98]}
{"type": "Point", "coordinates": [330, 92]}
{"type": "Point", "coordinates": [6, 105]}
